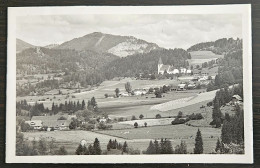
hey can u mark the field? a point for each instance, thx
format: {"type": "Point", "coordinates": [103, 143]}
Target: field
{"type": "Point", "coordinates": [169, 105]}
{"type": "Point", "coordinates": [136, 138]}
{"type": "Point", "coordinates": [107, 87]}
{"type": "Point", "coordinates": [179, 103]}
{"type": "Point", "coordinates": [199, 57]}
{"type": "Point", "coordinates": [175, 133]}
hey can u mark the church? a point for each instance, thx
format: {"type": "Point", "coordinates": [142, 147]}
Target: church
{"type": "Point", "coordinates": [170, 69]}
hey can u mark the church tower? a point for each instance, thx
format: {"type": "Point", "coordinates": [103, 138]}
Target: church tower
{"type": "Point", "coordinates": [160, 64]}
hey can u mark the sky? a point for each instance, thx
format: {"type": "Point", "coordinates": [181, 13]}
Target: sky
{"type": "Point", "coordinates": [168, 31]}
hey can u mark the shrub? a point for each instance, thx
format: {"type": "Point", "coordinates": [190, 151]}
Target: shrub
{"type": "Point", "coordinates": [133, 118]}
{"type": "Point", "coordinates": [135, 124]}
{"type": "Point", "coordinates": [106, 95]}
{"type": "Point", "coordinates": [158, 116]}
{"type": "Point", "coordinates": [145, 124]}
{"type": "Point", "coordinates": [88, 127]}
{"type": "Point", "coordinates": [141, 116]}
{"type": "Point", "coordinates": [104, 126]}
{"type": "Point", "coordinates": [178, 121]}
{"type": "Point", "coordinates": [121, 119]}
{"type": "Point", "coordinates": [62, 118]}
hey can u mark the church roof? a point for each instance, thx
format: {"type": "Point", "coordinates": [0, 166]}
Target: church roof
{"type": "Point", "coordinates": [164, 67]}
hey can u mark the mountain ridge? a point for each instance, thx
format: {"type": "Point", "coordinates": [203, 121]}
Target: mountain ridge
{"type": "Point", "coordinates": [121, 46]}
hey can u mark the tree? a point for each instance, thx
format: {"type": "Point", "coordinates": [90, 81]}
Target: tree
{"type": "Point", "coordinates": [125, 147]}
{"type": "Point", "coordinates": [133, 117]}
{"type": "Point", "coordinates": [180, 114]}
{"type": "Point", "coordinates": [117, 92]}
{"type": "Point", "coordinates": [157, 147]}
{"type": "Point", "coordinates": [106, 95]}
{"type": "Point", "coordinates": [135, 124]}
{"type": "Point", "coordinates": [181, 149]}
{"type": "Point", "coordinates": [158, 93]}
{"type": "Point", "coordinates": [61, 151]}
{"type": "Point", "coordinates": [83, 105]}
{"type": "Point", "coordinates": [218, 146]}
{"type": "Point", "coordinates": [25, 127]}
{"type": "Point", "coordinates": [74, 124]}
{"type": "Point", "coordinates": [96, 147]}
{"type": "Point", "coordinates": [128, 87]}
{"type": "Point", "coordinates": [141, 116]}
{"type": "Point", "coordinates": [42, 146]}
{"type": "Point", "coordinates": [198, 143]}
{"type": "Point", "coordinates": [151, 148]}
{"type": "Point", "coordinates": [158, 116]}
{"type": "Point", "coordinates": [145, 124]}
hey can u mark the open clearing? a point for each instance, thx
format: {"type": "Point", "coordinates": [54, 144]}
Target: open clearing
{"type": "Point", "coordinates": [179, 103]}
{"type": "Point", "coordinates": [199, 57]}
{"type": "Point", "coordinates": [136, 138]}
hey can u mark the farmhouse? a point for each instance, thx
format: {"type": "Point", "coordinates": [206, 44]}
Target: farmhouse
{"type": "Point", "coordinates": [36, 124]}
{"type": "Point", "coordinates": [204, 72]}
{"type": "Point", "coordinates": [196, 72]}
{"type": "Point", "coordinates": [181, 86]}
{"type": "Point", "coordinates": [58, 122]}
{"type": "Point", "coordinates": [139, 91]}
{"type": "Point", "coordinates": [236, 99]}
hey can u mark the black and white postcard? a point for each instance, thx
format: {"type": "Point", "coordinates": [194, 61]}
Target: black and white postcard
{"type": "Point", "coordinates": [150, 84]}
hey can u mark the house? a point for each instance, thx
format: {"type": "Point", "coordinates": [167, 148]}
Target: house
{"type": "Point", "coordinates": [204, 72]}
{"type": "Point", "coordinates": [183, 70]}
{"type": "Point", "coordinates": [196, 72]}
{"type": "Point", "coordinates": [55, 121]}
{"type": "Point", "coordinates": [236, 99]}
{"type": "Point", "coordinates": [124, 94]}
{"type": "Point", "coordinates": [36, 124]}
{"type": "Point", "coordinates": [166, 68]}
{"type": "Point", "coordinates": [182, 86]}
{"type": "Point", "coordinates": [139, 91]}
{"type": "Point", "coordinates": [188, 71]}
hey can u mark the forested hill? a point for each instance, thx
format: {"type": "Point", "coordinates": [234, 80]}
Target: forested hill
{"type": "Point", "coordinates": [146, 63]}
{"type": "Point", "coordinates": [221, 46]}
{"type": "Point", "coordinates": [44, 60]}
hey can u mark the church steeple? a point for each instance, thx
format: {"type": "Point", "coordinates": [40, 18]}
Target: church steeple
{"type": "Point", "coordinates": [160, 64]}
{"type": "Point", "coordinates": [160, 61]}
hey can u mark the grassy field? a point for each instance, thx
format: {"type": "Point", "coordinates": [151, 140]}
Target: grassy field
{"type": "Point", "coordinates": [175, 133]}
{"type": "Point", "coordinates": [107, 87]}
{"type": "Point", "coordinates": [136, 138]}
{"type": "Point", "coordinates": [204, 55]}
{"type": "Point", "coordinates": [179, 103]}
{"type": "Point", "coordinates": [199, 57]}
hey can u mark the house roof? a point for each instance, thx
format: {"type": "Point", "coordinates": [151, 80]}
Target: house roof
{"type": "Point", "coordinates": [196, 71]}
{"type": "Point", "coordinates": [52, 121]}
{"type": "Point", "coordinates": [237, 97]}
{"type": "Point", "coordinates": [204, 70]}
{"type": "Point", "coordinates": [34, 123]}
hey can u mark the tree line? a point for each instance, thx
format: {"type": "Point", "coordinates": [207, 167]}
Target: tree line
{"type": "Point", "coordinates": [164, 146]}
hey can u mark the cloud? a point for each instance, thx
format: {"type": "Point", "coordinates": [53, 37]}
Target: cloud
{"type": "Point", "coordinates": [169, 31]}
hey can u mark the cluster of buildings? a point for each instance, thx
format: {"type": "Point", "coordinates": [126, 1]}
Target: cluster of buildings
{"type": "Point", "coordinates": [54, 122]}
{"type": "Point", "coordinates": [171, 70]}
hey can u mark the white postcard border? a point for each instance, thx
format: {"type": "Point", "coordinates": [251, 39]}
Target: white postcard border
{"type": "Point", "coordinates": [244, 10]}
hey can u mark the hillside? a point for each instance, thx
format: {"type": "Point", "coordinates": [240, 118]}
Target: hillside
{"type": "Point", "coordinates": [50, 46]}
{"type": "Point", "coordinates": [220, 47]}
{"type": "Point", "coordinates": [146, 63]}
{"type": "Point", "coordinates": [121, 46]}
{"type": "Point", "coordinates": [22, 45]}
{"type": "Point", "coordinates": [44, 60]}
